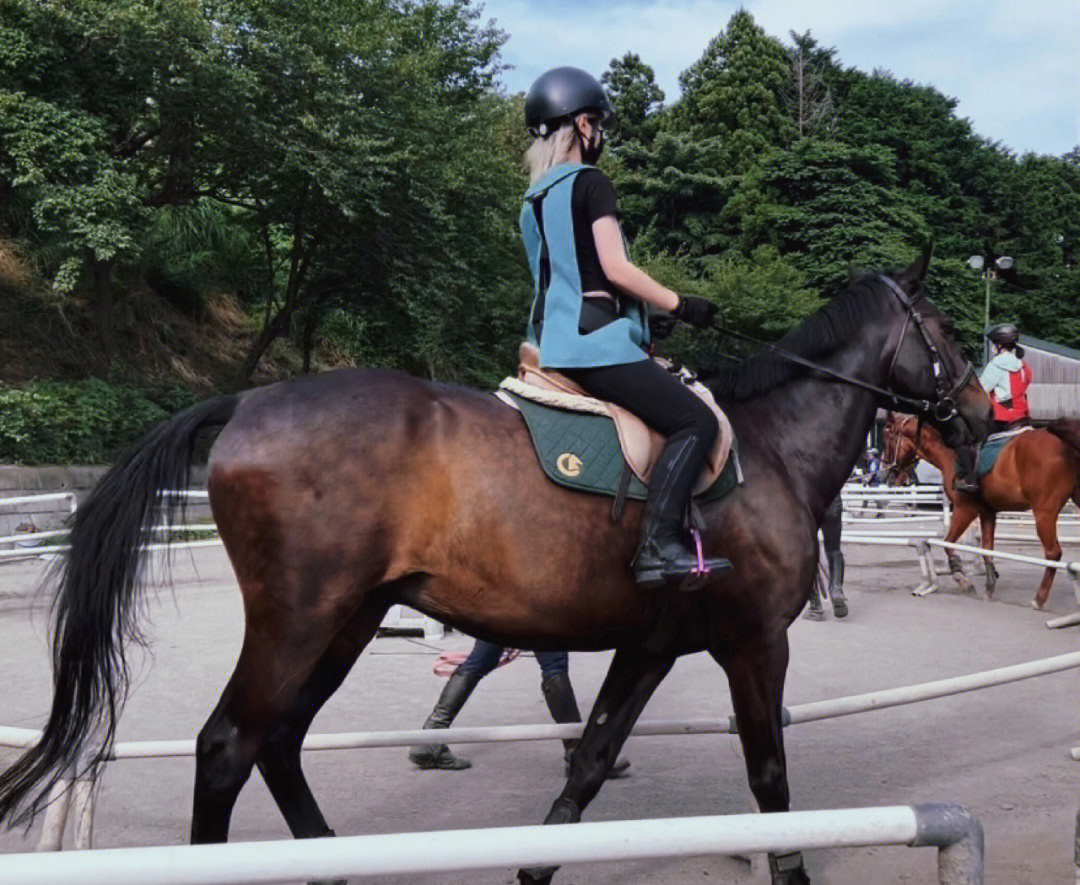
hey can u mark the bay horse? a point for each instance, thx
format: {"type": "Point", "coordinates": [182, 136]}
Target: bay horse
{"type": "Point", "coordinates": [339, 495]}
{"type": "Point", "coordinates": [1038, 470]}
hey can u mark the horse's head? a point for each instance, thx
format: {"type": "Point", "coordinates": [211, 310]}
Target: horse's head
{"type": "Point", "coordinates": [901, 449]}
{"type": "Point", "coordinates": [926, 364]}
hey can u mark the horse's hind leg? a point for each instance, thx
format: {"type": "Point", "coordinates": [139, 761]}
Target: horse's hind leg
{"type": "Point", "coordinates": [630, 682]}
{"type": "Point", "coordinates": [277, 670]}
{"type": "Point", "coordinates": [756, 676]}
{"type": "Point", "coordinates": [279, 759]}
{"type": "Point", "coordinates": [988, 522]}
{"type": "Point", "coordinates": [1046, 528]}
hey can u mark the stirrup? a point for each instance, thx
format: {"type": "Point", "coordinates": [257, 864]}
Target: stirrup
{"type": "Point", "coordinates": [967, 485]}
{"type": "Point", "coordinates": [653, 569]}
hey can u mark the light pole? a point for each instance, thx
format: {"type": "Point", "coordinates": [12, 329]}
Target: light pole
{"type": "Point", "coordinates": [977, 262]}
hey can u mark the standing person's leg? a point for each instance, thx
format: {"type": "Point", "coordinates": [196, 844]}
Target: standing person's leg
{"type": "Point", "coordinates": [483, 658]}
{"type": "Point", "coordinates": [663, 402]}
{"type": "Point", "coordinates": [559, 695]}
{"type": "Point", "coordinates": [831, 527]}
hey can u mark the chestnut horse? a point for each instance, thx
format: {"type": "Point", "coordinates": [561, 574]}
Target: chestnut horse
{"type": "Point", "coordinates": [1038, 470]}
{"type": "Point", "coordinates": [339, 495]}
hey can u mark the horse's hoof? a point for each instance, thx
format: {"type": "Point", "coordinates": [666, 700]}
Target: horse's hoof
{"type": "Point", "coordinates": [536, 875]}
{"type": "Point", "coordinates": [1038, 606]}
{"type": "Point", "coordinates": [965, 585]}
{"type": "Point", "coordinates": [788, 869]}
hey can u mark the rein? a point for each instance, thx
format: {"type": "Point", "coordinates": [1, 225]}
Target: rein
{"type": "Point", "coordinates": [943, 408]}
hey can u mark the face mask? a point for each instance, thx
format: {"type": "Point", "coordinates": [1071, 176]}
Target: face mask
{"type": "Point", "coordinates": [591, 149]}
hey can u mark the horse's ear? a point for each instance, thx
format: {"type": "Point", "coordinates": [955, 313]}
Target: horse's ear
{"type": "Point", "coordinates": [915, 274]}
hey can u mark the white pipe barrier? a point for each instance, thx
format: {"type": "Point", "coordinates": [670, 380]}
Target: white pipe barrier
{"type": "Point", "coordinates": [812, 712]}
{"type": "Point", "coordinates": [950, 828]}
{"type": "Point", "coordinates": [796, 715]}
{"type": "Point", "coordinates": [35, 499]}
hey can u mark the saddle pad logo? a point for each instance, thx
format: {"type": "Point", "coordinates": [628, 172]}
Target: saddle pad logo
{"type": "Point", "coordinates": [568, 464]}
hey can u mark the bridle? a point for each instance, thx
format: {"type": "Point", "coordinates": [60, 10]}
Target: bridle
{"type": "Point", "coordinates": [941, 409]}
{"type": "Point", "coordinates": [944, 407]}
{"type": "Point", "coordinates": [891, 454]}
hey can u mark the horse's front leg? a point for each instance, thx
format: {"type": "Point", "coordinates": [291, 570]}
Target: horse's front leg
{"type": "Point", "coordinates": [756, 676]}
{"type": "Point", "coordinates": [988, 522]}
{"type": "Point", "coordinates": [963, 515]}
{"type": "Point", "coordinates": [631, 680]}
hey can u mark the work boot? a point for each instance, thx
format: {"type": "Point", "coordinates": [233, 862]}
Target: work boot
{"type": "Point", "coordinates": [836, 584]}
{"type": "Point", "coordinates": [559, 694]}
{"type": "Point", "coordinates": [663, 555]}
{"type": "Point", "coordinates": [454, 694]}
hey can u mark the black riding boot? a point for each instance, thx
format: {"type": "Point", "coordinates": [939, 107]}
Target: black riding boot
{"type": "Point", "coordinates": [559, 694]}
{"type": "Point", "coordinates": [454, 695]}
{"type": "Point", "coordinates": [814, 609]}
{"type": "Point", "coordinates": [965, 479]}
{"type": "Point", "coordinates": [836, 584]}
{"type": "Point", "coordinates": [664, 555]}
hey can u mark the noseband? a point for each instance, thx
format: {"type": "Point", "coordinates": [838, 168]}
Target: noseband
{"type": "Point", "coordinates": [944, 407]}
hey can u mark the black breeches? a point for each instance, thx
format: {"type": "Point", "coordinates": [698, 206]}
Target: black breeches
{"type": "Point", "coordinates": [654, 394]}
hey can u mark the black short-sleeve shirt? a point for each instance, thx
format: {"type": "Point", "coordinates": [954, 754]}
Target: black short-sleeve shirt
{"type": "Point", "coordinates": [593, 197]}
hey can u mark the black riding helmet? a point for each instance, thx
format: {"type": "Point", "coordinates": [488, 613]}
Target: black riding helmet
{"type": "Point", "coordinates": [1005, 335]}
{"type": "Point", "coordinates": [561, 93]}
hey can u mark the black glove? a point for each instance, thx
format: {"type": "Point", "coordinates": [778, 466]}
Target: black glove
{"type": "Point", "coordinates": [661, 325]}
{"type": "Point", "coordinates": [695, 311]}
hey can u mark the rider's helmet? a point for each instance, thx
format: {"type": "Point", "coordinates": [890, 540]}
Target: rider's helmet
{"type": "Point", "coordinates": [559, 94]}
{"type": "Point", "coordinates": [1005, 335]}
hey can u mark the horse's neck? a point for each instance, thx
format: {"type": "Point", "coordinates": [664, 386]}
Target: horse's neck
{"type": "Point", "coordinates": [831, 435]}
{"type": "Point", "coordinates": [827, 422]}
{"type": "Point", "coordinates": [936, 452]}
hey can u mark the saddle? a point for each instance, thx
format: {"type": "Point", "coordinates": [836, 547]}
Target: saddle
{"type": "Point", "coordinates": [640, 444]}
{"type": "Point", "coordinates": [992, 448]}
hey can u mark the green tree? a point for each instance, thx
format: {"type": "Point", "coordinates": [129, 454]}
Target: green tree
{"type": "Point", "coordinates": [631, 86]}
{"type": "Point", "coordinates": [828, 206]}
{"type": "Point", "coordinates": [735, 91]}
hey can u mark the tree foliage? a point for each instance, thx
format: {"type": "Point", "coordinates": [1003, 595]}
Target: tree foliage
{"type": "Point", "coordinates": [351, 170]}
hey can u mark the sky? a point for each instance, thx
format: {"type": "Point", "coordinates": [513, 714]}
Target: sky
{"type": "Point", "coordinates": [1013, 65]}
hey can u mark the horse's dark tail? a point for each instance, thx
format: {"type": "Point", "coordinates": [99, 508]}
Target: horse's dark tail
{"type": "Point", "coordinates": [99, 586]}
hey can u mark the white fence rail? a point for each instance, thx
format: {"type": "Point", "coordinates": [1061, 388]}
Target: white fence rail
{"type": "Point", "coordinates": [84, 791]}
{"type": "Point", "coordinates": [950, 828]}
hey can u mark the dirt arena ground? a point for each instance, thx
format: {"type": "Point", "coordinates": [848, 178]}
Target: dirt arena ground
{"type": "Point", "coordinates": [1003, 751]}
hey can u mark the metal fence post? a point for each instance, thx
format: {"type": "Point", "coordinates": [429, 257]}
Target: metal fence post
{"type": "Point", "coordinates": [959, 839]}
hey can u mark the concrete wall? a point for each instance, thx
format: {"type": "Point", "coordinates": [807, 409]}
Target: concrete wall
{"type": "Point", "coordinates": [17, 481]}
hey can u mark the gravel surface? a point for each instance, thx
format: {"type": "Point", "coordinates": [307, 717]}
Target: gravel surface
{"type": "Point", "coordinates": [1003, 752]}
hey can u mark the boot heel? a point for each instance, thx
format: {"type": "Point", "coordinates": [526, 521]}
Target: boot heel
{"type": "Point", "coordinates": [650, 579]}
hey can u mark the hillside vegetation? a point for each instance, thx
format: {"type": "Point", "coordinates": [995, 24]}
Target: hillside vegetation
{"type": "Point", "coordinates": [208, 195]}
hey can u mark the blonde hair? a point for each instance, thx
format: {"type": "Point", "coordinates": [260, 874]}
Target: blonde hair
{"type": "Point", "coordinates": [544, 153]}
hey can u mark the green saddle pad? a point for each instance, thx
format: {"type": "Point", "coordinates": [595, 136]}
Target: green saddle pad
{"type": "Point", "coordinates": [581, 451]}
{"type": "Point", "coordinates": [991, 450]}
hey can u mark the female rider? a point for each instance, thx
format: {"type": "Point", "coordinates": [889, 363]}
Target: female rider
{"type": "Point", "coordinates": [589, 316]}
{"type": "Point", "coordinates": [1006, 378]}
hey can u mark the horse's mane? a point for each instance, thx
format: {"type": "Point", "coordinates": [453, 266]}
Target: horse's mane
{"type": "Point", "coordinates": [817, 337]}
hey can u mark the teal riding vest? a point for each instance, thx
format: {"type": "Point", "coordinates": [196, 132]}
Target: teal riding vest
{"type": "Point", "coordinates": [553, 260]}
